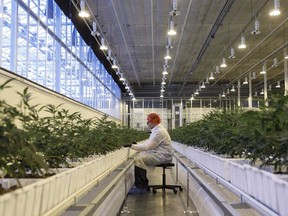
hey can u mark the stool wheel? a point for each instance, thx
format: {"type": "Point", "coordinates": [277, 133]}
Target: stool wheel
{"type": "Point", "coordinates": [175, 191]}
{"type": "Point", "coordinates": [154, 190]}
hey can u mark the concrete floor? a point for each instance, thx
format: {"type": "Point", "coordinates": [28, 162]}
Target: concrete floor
{"type": "Point", "coordinates": [166, 204]}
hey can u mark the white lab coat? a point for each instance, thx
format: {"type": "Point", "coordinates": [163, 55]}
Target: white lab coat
{"type": "Point", "coordinates": [155, 150]}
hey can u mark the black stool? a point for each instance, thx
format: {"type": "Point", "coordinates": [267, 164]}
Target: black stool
{"type": "Point", "coordinates": [164, 186]}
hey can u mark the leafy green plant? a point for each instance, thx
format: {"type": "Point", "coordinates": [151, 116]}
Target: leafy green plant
{"type": "Point", "coordinates": [256, 135]}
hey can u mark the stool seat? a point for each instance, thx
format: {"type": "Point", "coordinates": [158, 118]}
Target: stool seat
{"type": "Point", "coordinates": [164, 186]}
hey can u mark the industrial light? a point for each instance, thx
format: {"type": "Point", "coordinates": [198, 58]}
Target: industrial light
{"type": "Point", "coordinates": [127, 87]}
{"type": "Point", "coordinates": [223, 94]}
{"type": "Point", "coordinates": [161, 96]}
{"type": "Point", "coordinates": [262, 92]}
{"type": "Point", "coordinates": [286, 57]}
{"type": "Point", "coordinates": [94, 30]}
{"type": "Point", "coordinates": [242, 43]}
{"type": "Point", "coordinates": [196, 92]}
{"type": "Point", "coordinates": [192, 97]}
{"type": "Point", "coordinates": [109, 57]}
{"type": "Point", "coordinates": [263, 70]}
{"type": "Point", "coordinates": [103, 46]}
{"type": "Point", "coordinates": [203, 85]}
{"type": "Point", "coordinates": [169, 43]}
{"type": "Point", "coordinates": [254, 75]}
{"type": "Point", "coordinates": [228, 91]}
{"type": "Point", "coordinates": [133, 99]}
{"type": "Point", "coordinates": [114, 65]}
{"type": "Point", "coordinates": [256, 93]}
{"type": "Point", "coordinates": [278, 85]}
{"type": "Point", "coordinates": [167, 55]}
{"type": "Point", "coordinates": [245, 81]}
{"type": "Point", "coordinates": [171, 31]}
{"type": "Point", "coordinates": [217, 70]}
{"type": "Point", "coordinates": [122, 79]}
{"type": "Point", "coordinates": [162, 90]}
{"type": "Point", "coordinates": [275, 62]}
{"type": "Point", "coordinates": [275, 11]}
{"type": "Point", "coordinates": [233, 89]}
{"type": "Point", "coordinates": [174, 11]}
{"type": "Point", "coordinates": [163, 82]}
{"type": "Point", "coordinates": [207, 80]}
{"type": "Point", "coordinates": [165, 72]}
{"type": "Point", "coordinates": [256, 28]}
{"type": "Point", "coordinates": [223, 63]}
{"type": "Point", "coordinates": [232, 53]}
{"type": "Point", "coordinates": [83, 13]}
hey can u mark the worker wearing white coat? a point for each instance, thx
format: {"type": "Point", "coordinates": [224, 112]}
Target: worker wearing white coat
{"type": "Point", "coordinates": [153, 151]}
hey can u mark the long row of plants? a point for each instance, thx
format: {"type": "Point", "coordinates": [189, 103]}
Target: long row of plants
{"type": "Point", "coordinates": [34, 138]}
{"type": "Point", "coordinates": [260, 135]}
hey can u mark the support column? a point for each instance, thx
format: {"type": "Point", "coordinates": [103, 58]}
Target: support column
{"type": "Point", "coordinates": [285, 72]}
{"type": "Point", "coordinates": [238, 87]}
{"type": "Point", "coordinates": [250, 92]}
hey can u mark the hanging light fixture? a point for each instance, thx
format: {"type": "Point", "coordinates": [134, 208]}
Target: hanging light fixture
{"type": "Point", "coordinates": [163, 82]}
{"type": "Point", "coordinates": [114, 65]}
{"type": "Point", "coordinates": [275, 11]}
{"type": "Point", "coordinates": [94, 30]}
{"type": "Point", "coordinates": [233, 88]}
{"type": "Point", "coordinates": [192, 97]}
{"type": "Point", "coordinates": [207, 80]}
{"type": "Point", "coordinates": [122, 78]}
{"type": "Point", "coordinates": [275, 62]}
{"type": "Point", "coordinates": [223, 94]}
{"type": "Point", "coordinates": [211, 76]}
{"type": "Point", "coordinates": [245, 82]}
{"type": "Point", "coordinates": [165, 72]}
{"type": "Point", "coordinates": [253, 75]}
{"type": "Point", "coordinates": [168, 57]}
{"type": "Point", "coordinates": [278, 85]}
{"type": "Point", "coordinates": [161, 95]}
{"type": "Point", "coordinates": [263, 71]}
{"type": "Point", "coordinates": [242, 43]}
{"type": "Point", "coordinates": [83, 13]}
{"type": "Point", "coordinates": [174, 11]}
{"type": "Point", "coordinates": [262, 92]}
{"type": "Point", "coordinates": [223, 63]}
{"type": "Point", "coordinates": [103, 46]}
{"type": "Point", "coordinates": [256, 28]}
{"type": "Point", "coordinates": [286, 57]}
{"type": "Point", "coordinates": [169, 43]}
{"type": "Point", "coordinates": [171, 31]}
{"type": "Point", "coordinates": [232, 53]}
{"type": "Point", "coordinates": [109, 57]}
{"type": "Point", "coordinates": [256, 93]}
{"type": "Point", "coordinates": [162, 90]}
{"type": "Point", "coordinates": [217, 70]}
{"type": "Point", "coordinates": [203, 85]}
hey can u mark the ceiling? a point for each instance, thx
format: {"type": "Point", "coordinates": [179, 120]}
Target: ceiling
{"type": "Point", "coordinates": [136, 32]}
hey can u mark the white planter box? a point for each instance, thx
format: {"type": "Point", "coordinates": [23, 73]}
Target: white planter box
{"type": "Point", "coordinates": [45, 196]}
{"type": "Point", "coordinates": [268, 188]}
